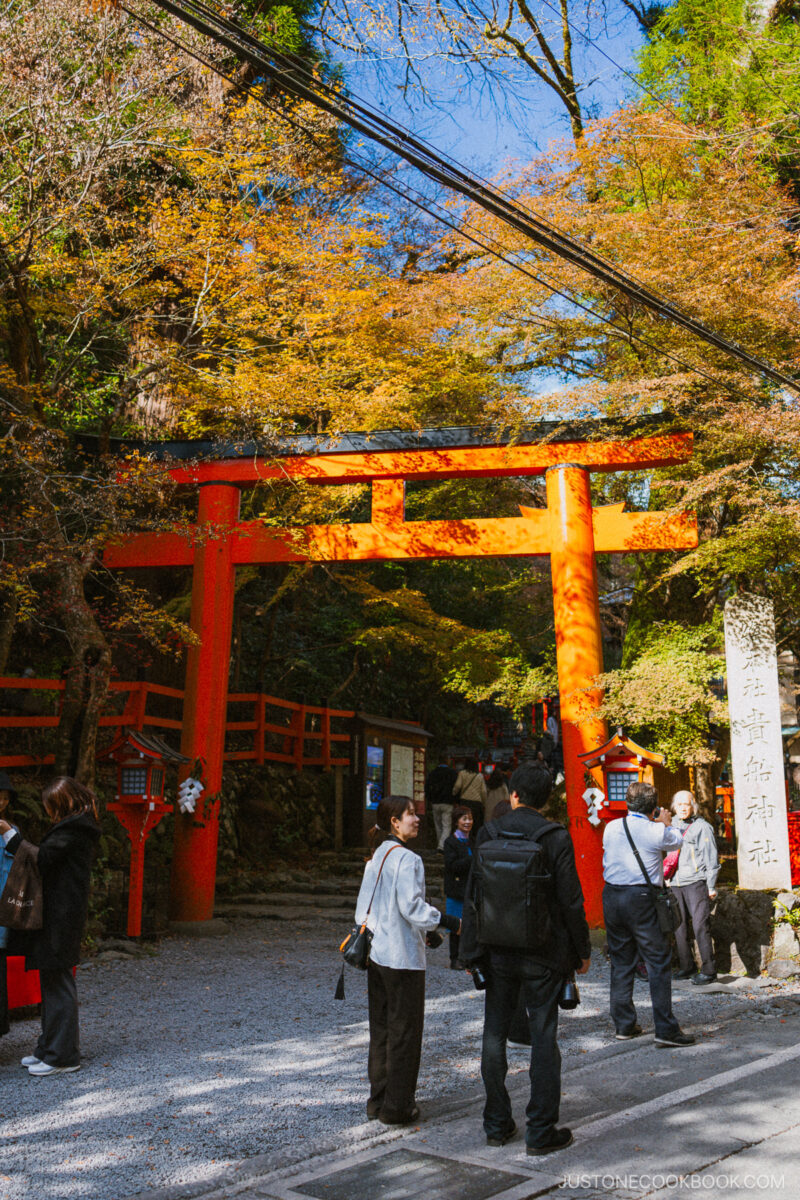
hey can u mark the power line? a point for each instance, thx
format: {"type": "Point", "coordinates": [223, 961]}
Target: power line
{"type": "Point", "coordinates": [293, 76]}
{"type": "Point", "coordinates": [432, 208]}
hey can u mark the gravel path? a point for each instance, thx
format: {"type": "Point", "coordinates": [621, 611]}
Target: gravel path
{"type": "Point", "coordinates": [222, 1048]}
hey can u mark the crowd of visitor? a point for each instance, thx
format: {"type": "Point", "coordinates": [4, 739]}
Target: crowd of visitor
{"type": "Point", "coordinates": [514, 913]}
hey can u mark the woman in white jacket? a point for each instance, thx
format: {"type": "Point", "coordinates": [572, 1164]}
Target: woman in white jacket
{"type": "Point", "coordinates": [400, 919]}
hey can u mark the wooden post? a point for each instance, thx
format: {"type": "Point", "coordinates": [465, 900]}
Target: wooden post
{"type": "Point", "coordinates": [338, 807]}
{"type": "Point", "coordinates": [326, 738]}
{"type": "Point", "coordinates": [135, 706]}
{"type": "Point", "coordinates": [261, 718]}
{"type": "Point", "coordinates": [194, 860]}
{"type": "Point", "coordinates": [299, 737]}
{"type": "Point", "coordinates": [579, 656]}
{"type": "Point", "coordinates": [135, 887]}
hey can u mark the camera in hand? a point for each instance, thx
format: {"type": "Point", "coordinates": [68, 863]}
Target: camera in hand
{"type": "Point", "coordinates": [569, 996]}
{"type": "Point", "coordinates": [478, 978]}
{"type": "Point", "coordinates": [434, 939]}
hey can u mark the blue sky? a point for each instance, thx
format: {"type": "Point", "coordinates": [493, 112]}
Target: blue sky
{"type": "Point", "coordinates": [485, 135]}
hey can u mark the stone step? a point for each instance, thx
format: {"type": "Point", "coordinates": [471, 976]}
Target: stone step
{"type": "Point", "coordinates": [296, 913]}
{"type": "Point", "coordinates": [343, 891]}
{"type": "Point", "coordinates": [304, 900]}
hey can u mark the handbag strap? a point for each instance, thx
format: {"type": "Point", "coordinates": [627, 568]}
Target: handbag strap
{"type": "Point", "coordinates": [653, 890]}
{"type": "Point", "coordinates": [377, 881]}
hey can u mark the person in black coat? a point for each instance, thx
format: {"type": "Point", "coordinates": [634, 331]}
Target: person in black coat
{"type": "Point", "coordinates": [537, 972]}
{"type": "Point", "coordinates": [457, 862]}
{"type": "Point", "coordinates": [65, 860]}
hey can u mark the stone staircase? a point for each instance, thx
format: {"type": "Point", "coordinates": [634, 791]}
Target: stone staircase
{"type": "Point", "coordinates": [327, 891]}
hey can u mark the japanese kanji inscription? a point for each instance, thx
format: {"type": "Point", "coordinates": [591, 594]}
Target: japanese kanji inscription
{"type": "Point", "coordinates": [756, 745]}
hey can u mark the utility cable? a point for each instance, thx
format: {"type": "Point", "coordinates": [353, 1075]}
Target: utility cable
{"type": "Point", "coordinates": [295, 78]}
{"type": "Point", "coordinates": [414, 196]}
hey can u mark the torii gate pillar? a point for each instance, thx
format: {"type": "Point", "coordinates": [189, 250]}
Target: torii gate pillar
{"type": "Point", "coordinates": [579, 656]}
{"type": "Point", "coordinates": [194, 861]}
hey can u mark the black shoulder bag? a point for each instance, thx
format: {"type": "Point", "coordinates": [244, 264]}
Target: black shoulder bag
{"type": "Point", "coordinates": [667, 911]}
{"type": "Point", "coordinates": [356, 946]}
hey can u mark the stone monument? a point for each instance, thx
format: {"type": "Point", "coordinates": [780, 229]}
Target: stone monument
{"type": "Point", "coordinates": [759, 790]}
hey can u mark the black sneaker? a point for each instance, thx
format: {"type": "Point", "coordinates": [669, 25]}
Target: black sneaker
{"type": "Point", "coordinates": [701, 980]}
{"type": "Point", "coordinates": [677, 1039]}
{"type": "Point", "coordinates": [559, 1140]}
{"type": "Point", "coordinates": [625, 1036]}
{"type": "Point", "coordinates": [504, 1137]}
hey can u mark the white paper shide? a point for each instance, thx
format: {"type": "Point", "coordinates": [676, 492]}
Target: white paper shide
{"type": "Point", "coordinates": [756, 748]}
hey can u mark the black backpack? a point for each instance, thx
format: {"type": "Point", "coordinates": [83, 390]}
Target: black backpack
{"type": "Point", "coordinates": [513, 890]}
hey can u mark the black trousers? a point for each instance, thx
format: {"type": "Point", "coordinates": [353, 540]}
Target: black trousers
{"type": "Point", "coordinates": [507, 976]}
{"type": "Point", "coordinates": [3, 992]}
{"type": "Point", "coordinates": [396, 1017]}
{"type": "Point", "coordinates": [633, 932]}
{"type": "Point", "coordinates": [58, 1042]}
{"type": "Point", "coordinates": [693, 902]}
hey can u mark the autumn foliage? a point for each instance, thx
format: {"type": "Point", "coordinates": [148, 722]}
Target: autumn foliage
{"type": "Point", "coordinates": [181, 261]}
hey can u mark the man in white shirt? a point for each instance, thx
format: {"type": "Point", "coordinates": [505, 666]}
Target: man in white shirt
{"type": "Point", "coordinates": [632, 927]}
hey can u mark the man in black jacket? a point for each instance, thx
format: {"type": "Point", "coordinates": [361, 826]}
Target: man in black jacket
{"type": "Point", "coordinates": [539, 972]}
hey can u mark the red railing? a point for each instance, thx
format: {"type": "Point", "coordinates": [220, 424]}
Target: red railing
{"type": "Point", "coordinates": [287, 742]}
{"type": "Point", "coordinates": [255, 739]}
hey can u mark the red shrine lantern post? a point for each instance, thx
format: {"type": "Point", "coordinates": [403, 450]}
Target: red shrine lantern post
{"type": "Point", "coordinates": [141, 760]}
{"type": "Point", "coordinates": [569, 530]}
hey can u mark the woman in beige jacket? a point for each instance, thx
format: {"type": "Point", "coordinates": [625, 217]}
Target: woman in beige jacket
{"type": "Point", "coordinates": [470, 789]}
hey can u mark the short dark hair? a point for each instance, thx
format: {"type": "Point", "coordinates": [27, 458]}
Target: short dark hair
{"type": "Point", "coordinates": [533, 783]}
{"type": "Point", "coordinates": [459, 811]}
{"type": "Point", "coordinates": [389, 807]}
{"type": "Point", "coordinates": [641, 798]}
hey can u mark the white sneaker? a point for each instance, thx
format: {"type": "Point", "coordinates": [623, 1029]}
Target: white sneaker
{"type": "Point", "coordinates": [30, 1060]}
{"type": "Point", "coordinates": [42, 1068]}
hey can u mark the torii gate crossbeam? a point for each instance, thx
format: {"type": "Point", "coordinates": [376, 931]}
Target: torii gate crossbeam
{"type": "Point", "coordinates": [569, 530]}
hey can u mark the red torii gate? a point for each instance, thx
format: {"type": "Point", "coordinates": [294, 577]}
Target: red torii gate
{"type": "Point", "coordinates": [569, 530]}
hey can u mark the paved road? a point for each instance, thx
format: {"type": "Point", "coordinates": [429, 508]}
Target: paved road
{"type": "Point", "coordinates": [721, 1119]}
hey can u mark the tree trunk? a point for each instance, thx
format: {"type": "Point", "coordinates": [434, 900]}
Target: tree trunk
{"type": "Point", "coordinates": [8, 619]}
{"type": "Point", "coordinates": [86, 681]}
{"type": "Point", "coordinates": [704, 792]}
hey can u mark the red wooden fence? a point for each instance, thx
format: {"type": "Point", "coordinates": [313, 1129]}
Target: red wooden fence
{"type": "Point", "coordinates": [299, 734]}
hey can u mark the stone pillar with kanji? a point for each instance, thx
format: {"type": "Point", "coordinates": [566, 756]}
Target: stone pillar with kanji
{"type": "Point", "coordinates": [759, 789]}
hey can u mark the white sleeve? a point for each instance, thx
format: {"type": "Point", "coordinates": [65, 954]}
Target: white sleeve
{"type": "Point", "coordinates": [8, 835]}
{"type": "Point", "coordinates": [364, 894]}
{"type": "Point", "coordinates": [672, 838]}
{"type": "Point", "coordinates": [411, 902]}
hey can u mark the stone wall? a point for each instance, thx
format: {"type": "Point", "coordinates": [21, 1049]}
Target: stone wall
{"type": "Point", "coordinates": [746, 936]}
{"type": "Point", "coordinates": [273, 812]}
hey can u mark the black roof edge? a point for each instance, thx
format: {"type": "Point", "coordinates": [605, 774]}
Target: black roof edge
{"type": "Point", "coordinates": [382, 439]}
